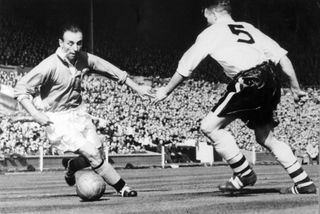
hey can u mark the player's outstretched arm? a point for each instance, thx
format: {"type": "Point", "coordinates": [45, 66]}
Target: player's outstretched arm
{"type": "Point", "coordinates": [163, 92]}
{"type": "Point", "coordinates": [189, 61]}
{"type": "Point", "coordinates": [105, 68]}
{"type": "Point", "coordinates": [288, 69]}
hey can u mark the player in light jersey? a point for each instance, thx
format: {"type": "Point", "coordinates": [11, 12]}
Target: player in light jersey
{"type": "Point", "coordinates": [248, 57]}
{"type": "Point", "coordinates": [69, 127]}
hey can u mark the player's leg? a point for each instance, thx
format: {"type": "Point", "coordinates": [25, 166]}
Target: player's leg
{"type": "Point", "coordinates": [66, 136]}
{"type": "Point", "coordinates": [105, 170]}
{"type": "Point", "coordinates": [225, 145]}
{"type": "Point", "coordinates": [284, 155]}
{"type": "Point", "coordinates": [75, 132]}
{"type": "Point", "coordinates": [92, 151]}
{"type": "Point", "coordinates": [72, 165]}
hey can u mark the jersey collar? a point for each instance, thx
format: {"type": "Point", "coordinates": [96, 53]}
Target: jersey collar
{"type": "Point", "coordinates": [224, 19]}
{"type": "Point", "coordinates": [62, 56]}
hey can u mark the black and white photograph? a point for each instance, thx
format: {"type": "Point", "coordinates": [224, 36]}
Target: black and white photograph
{"type": "Point", "coordinates": [159, 106]}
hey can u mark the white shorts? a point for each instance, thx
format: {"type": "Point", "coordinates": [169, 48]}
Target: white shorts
{"type": "Point", "coordinates": [72, 129]}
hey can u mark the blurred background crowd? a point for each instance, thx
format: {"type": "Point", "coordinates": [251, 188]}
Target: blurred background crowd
{"type": "Point", "coordinates": [125, 122]}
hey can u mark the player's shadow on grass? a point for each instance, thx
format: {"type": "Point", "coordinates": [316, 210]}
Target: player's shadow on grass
{"type": "Point", "coordinates": [249, 191]}
{"type": "Point", "coordinates": [101, 199]}
{"type": "Point", "coordinates": [153, 190]}
{"type": "Point", "coordinates": [74, 195]}
{"type": "Point", "coordinates": [114, 194]}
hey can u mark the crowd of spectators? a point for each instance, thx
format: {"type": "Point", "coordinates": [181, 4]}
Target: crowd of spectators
{"type": "Point", "coordinates": [9, 78]}
{"type": "Point", "coordinates": [22, 43]}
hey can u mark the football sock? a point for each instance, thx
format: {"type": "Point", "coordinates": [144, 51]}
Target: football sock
{"type": "Point", "coordinates": [286, 158]}
{"type": "Point", "coordinates": [298, 175]}
{"type": "Point", "coordinates": [226, 146]}
{"type": "Point", "coordinates": [240, 165]}
{"type": "Point", "coordinates": [119, 185]}
{"type": "Point", "coordinates": [78, 163]}
{"type": "Point", "coordinates": [282, 152]}
{"type": "Point", "coordinates": [224, 143]}
{"type": "Point", "coordinates": [107, 172]}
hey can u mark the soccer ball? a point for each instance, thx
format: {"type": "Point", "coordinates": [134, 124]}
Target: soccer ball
{"type": "Point", "coordinates": [90, 186]}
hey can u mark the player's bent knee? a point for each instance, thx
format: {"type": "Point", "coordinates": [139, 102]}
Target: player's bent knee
{"type": "Point", "coordinates": [213, 123]}
{"type": "Point", "coordinates": [266, 141]}
{"type": "Point", "coordinates": [218, 136]}
{"type": "Point", "coordinates": [92, 153]}
{"type": "Point", "coordinates": [281, 151]}
{"type": "Point", "coordinates": [206, 127]}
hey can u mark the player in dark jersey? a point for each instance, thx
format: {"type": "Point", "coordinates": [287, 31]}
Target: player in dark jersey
{"type": "Point", "coordinates": [69, 127]}
{"type": "Point", "coordinates": [248, 57]}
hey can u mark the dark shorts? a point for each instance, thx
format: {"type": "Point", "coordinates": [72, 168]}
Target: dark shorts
{"type": "Point", "coordinates": [252, 96]}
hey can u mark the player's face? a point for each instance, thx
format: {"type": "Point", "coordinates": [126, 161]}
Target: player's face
{"type": "Point", "coordinates": [210, 16]}
{"type": "Point", "coordinates": [71, 44]}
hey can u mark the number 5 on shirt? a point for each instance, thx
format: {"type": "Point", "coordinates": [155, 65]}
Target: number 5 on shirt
{"type": "Point", "coordinates": [237, 30]}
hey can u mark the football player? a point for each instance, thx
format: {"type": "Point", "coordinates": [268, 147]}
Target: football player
{"type": "Point", "coordinates": [249, 58]}
{"type": "Point", "coordinates": [69, 127]}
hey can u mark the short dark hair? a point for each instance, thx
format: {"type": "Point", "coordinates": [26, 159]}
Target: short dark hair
{"type": "Point", "coordinates": [69, 27]}
{"type": "Point", "coordinates": [222, 5]}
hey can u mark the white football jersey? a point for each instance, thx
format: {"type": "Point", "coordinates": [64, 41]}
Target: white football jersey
{"type": "Point", "coordinates": [236, 46]}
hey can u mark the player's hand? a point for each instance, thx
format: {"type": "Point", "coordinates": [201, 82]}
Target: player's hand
{"type": "Point", "coordinates": [42, 119]}
{"type": "Point", "coordinates": [299, 95]}
{"type": "Point", "coordinates": [160, 95]}
{"type": "Point", "coordinates": [84, 72]}
{"type": "Point", "coordinates": [145, 91]}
